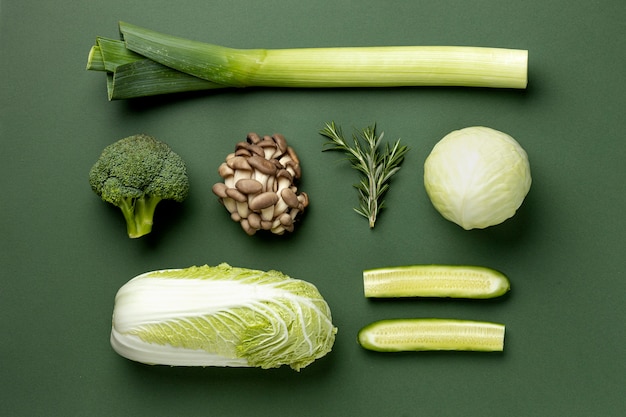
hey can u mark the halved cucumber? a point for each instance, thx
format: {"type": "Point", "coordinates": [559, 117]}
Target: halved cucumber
{"type": "Point", "coordinates": [435, 281]}
{"type": "Point", "coordinates": [397, 335]}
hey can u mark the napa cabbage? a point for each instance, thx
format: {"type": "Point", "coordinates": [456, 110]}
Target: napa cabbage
{"type": "Point", "coordinates": [221, 316]}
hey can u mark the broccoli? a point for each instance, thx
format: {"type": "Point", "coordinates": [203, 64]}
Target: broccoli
{"type": "Point", "coordinates": [135, 174]}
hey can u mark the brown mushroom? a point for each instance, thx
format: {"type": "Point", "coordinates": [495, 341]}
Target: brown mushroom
{"type": "Point", "coordinates": [290, 198]}
{"type": "Point", "coordinates": [281, 142]}
{"type": "Point", "coordinates": [224, 170]}
{"type": "Point", "coordinates": [227, 173]}
{"type": "Point", "coordinates": [242, 152]}
{"type": "Point", "coordinates": [285, 219]}
{"type": "Point", "coordinates": [269, 147]}
{"type": "Point", "coordinates": [241, 167]}
{"type": "Point", "coordinates": [303, 198]}
{"type": "Point", "coordinates": [241, 201]}
{"type": "Point", "coordinates": [283, 181]}
{"type": "Point", "coordinates": [245, 225]}
{"type": "Point", "coordinates": [253, 138]}
{"type": "Point", "coordinates": [259, 187]}
{"type": "Point", "coordinates": [254, 220]}
{"type": "Point", "coordinates": [249, 186]}
{"type": "Point", "coordinates": [256, 150]}
{"type": "Point", "coordinates": [261, 164]}
{"type": "Point", "coordinates": [292, 153]}
{"type": "Point", "coordinates": [219, 189]}
{"type": "Point", "coordinates": [294, 168]}
{"type": "Point", "coordinates": [265, 203]}
{"type": "Point", "coordinates": [236, 195]}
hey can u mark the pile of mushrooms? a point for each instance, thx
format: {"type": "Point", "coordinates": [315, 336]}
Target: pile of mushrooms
{"type": "Point", "coordinates": [259, 187]}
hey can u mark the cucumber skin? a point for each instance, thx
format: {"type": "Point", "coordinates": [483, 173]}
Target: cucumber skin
{"type": "Point", "coordinates": [500, 283]}
{"type": "Point", "coordinates": [365, 336]}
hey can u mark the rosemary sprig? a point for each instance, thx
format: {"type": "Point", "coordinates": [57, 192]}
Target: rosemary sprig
{"type": "Point", "coordinates": [376, 166]}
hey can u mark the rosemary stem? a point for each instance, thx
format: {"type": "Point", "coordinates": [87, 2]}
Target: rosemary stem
{"type": "Point", "coordinates": [376, 166]}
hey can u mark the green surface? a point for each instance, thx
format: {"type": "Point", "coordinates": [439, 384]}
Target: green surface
{"type": "Point", "coordinates": [64, 253]}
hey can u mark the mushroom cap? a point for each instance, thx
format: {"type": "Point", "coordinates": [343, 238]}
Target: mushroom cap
{"type": "Point", "coordinates": [239, 162]}
{"type": "Point", "coordinates": [253, 137]}
{"type": "Point", "coordinates": [281, 142]}
{"type": "Point", "coordinates": [290, 197]}
{"type": "Point", "coordinates": [283, 173]}
{"type": "Point", "coordinates": [242, 152]}
{"type": "Point", "coordinates": [263, 200]}
{"type": "Point", "coordinates": [245, 225]}
{"type": "Point", "coordinates": [262, 164]}
{"type": "Point", "coordinates": [267, 142]}
{"type": "Point", "coordinates": [236, 195]}
{"type": "Point", "coordinates": [224, 170]}
{"type": "Point", "coordinates": [249, 186]}
{"type": "Point", "coordinates": [254, 220]}
{"type": "Point", "coordinates": [219, 189]}
{"type": "Point", "coordinates": [256, 150]}
{"type": "Point", "coordinates": [304, 199]}
{"type": "Point", "coordinates": [242, 145]}
{"type": "Point", "coordinates": [292, 153]}
{"type": "Point", "coordinates": [285, 219]}
{"type": "Point", "coordinates": [292, 166]}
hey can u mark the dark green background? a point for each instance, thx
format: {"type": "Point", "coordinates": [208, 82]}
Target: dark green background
{"type": "Point", "coordinates": [64, 253]}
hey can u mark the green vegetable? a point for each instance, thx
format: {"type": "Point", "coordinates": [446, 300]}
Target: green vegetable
{"type": "Point", "coordinates": [221, 316]}
{"type": "Point", "coordinates": [135, 174]}
{"type": "Point", "coordinates": [435, 281]}
{"type": "Point", "coordinates": [222, 67]}
{"type": "Point", "coordinates": [477, 177]}
{"type": "Point", "coordinates": [376, 166]}
{"type": "Point", "coordinates": [132, 75]}
{"type": "Point", "coordinates": [397, 335]}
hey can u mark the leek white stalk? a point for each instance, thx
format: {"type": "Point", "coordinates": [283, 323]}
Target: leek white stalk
{"type": "Point", "coordinates": [376, 66]}
{"type": "Point", "coordinates": [221, 316]}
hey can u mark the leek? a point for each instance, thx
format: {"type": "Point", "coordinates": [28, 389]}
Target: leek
{"type": "Point", "coordinates": [223, 67]}
{"type": "Point", "coordinates": [132, 75]}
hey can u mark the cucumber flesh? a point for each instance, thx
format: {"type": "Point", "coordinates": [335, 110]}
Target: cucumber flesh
{"type": "Point", "coordinates": [399, 335]}
{"type": "Point", "coordinates": [435, 281]}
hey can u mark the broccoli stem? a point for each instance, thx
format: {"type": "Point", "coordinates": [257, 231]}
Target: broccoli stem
{"type": "Point", "coordinates": [139, 214]}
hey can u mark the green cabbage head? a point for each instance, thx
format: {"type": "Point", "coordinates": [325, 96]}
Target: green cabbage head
{"type": "Point", "coordinates": [477, 177]}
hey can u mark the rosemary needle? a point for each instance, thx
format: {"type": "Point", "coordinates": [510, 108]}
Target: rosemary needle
{"type": "Point", "coordinates": [376, 165]}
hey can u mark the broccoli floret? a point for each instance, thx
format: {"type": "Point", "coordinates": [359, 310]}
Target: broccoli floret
{"type": "Point", "coordinates": [135, 174]}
